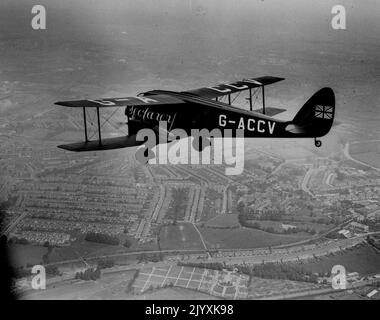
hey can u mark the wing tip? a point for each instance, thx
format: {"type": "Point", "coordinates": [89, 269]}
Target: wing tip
{"type": "Point", "coordinates": [104, 144]}
{"type": "Point", "coordinates": [68, 147]}
{"type": "Point", "coordinates": [63, 103]}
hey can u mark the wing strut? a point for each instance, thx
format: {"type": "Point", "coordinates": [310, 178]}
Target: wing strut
{"type": "Point", "coordinates": [99, 133]}
{"type": "Point", "coordinates": [263, 93]}
{"type": "Point", "coordinates": [250, 99]}
{"type": "Point", "coordinates": [85, 124]}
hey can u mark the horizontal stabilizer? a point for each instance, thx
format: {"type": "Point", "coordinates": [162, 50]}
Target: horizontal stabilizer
{"type": "Point", "coordinates": [105, 144]}
{"type": "Point", "coordinates": [296, 129]}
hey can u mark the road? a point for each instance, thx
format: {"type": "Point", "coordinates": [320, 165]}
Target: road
{"type": "Point", "coordinates": [157, 209]}
{"type": "Point", "coordinates": [305, 181]}
{"type": "Point", "coordinates": [201, 237]}
{"type": "Point", "coordinates": [328, 180]}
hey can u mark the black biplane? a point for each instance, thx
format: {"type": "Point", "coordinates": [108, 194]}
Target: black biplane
{"type": "Point", "coordinates": [204, 109]}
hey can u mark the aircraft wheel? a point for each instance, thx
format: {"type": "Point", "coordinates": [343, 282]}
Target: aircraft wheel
{"type": "Point", "coordinates": [318, 143]}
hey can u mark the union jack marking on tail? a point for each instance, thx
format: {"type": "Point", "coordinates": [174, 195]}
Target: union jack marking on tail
{"type": "Point", "coordinates": [324, 112]}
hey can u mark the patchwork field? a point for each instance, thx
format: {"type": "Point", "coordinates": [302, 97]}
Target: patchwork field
{"type": "Point", "coordinates": [225, 284]}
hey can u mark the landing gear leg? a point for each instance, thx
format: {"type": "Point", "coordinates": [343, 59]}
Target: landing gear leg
{"type": "Point", "coordinates": [318, 143]}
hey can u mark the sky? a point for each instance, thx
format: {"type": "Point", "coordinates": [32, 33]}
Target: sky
{"type": "Point", "coordinates": [182, 44]}
{"type": "Point", "coordinates": [306, 16]}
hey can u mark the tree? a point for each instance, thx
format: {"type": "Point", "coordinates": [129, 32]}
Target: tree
{"type": "Point", "coordinates": [105, 263]}
{"type": "Point", "coordinates": [240, 207]}
{"type": "Point", "coordinates": [127, 243]}
{"type": "Point", "coordinates": [89, 274]}
{"type": "Point", "coordinates": [256, 225]}
{"type": "Point", "coordinates": [52, 270]}
{"type": "Point", "coordinates": [270, 230]}
{"type": "Point", "coordinates": [102, 238]}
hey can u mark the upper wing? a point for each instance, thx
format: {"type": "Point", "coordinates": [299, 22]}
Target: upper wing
{"type": "Point", "coordinates": [122, 102]}
{"type": "Point", "coordinates": [228, 88]}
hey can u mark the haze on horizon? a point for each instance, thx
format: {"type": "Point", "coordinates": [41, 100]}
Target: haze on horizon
{"type": "Point", "coordinates": [173, 44]}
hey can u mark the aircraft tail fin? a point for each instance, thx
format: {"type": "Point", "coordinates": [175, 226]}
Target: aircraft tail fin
{"type": "Point", "coordinates": [316, 117]}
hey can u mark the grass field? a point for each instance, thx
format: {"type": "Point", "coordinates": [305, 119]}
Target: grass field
{"type": "Point", "coordinates": [353, 164]}
{"type": "Point", "coordinates": [266, 287]}
{"type": "Point", "coordinates": [83, 248]}
{"type": "Point", "coordinates": [245, 238]}
{"type": "Point", "coordinates": [367, 152]}
{"type": "Point", "coordinates": [110, 286]}
{"type": "Point", "coordinates": [224, 221]}
{"type": "Point", "coordinates": [277, 225]}
{"type": "Point", "coordinates": [181, 236]}
{"type": "Point", "coordinates": [363, 259]}
{"type": "Point", "coordinates": [21, 255]}
{"type": "Point", "coordinates": [371, 158]}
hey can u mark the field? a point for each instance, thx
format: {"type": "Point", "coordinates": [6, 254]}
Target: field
{"type": "Point", "coordinates": [266, 287]}
{"type": "Point", "coordinates": [83, 248]}
{"type": "Point", "coordinates": [371, 158]}
{"type": "Point", "coordinates": [363, 259]}
{"type": "Point", "coordinates": [181, 236]}
{"type": "Point", "coordinates": [367, 152]}
{"type": "Point", "coordinates": [217, 283]}
{"type": "Point", "coordinates": [245, 238]}
{"type": "Point", "coordinates": [357, 294]}
{"type": "Point", "coordinates": [22, 255]}
{"type": "Point", "coordinates": [224, 221]}
{"type": "Point", "coordinates": [277, 225]}
{"type": "Point", "coordinates": [110, 286]}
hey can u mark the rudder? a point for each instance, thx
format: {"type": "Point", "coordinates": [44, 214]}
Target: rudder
{"type": "Point", "coordinates": [316, 117]}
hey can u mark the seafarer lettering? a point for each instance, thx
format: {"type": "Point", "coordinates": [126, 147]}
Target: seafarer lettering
{"type": "Point", "coordinates": [146, 114]}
